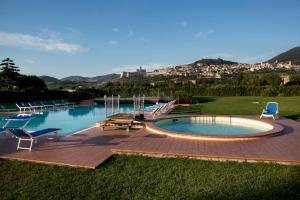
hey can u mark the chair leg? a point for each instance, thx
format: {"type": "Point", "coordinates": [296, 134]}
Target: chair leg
{"type": "Point", "coordinates": [31, 142]}
{"type": "Point", "coordinates": [19, 141]}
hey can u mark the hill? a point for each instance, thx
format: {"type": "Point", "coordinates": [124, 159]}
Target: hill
{"type": "Point", "coordinates": [72, 81]}
{"type": "Point", "coordinates": [218, 61]}
{"type": "Point", "coordinates": [50, 79]}
{"type": "Point", "coordinates": [290, 55]}
{"type": "Point", "coordinates": [81, 79]}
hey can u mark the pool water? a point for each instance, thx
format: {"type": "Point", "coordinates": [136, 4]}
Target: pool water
{"type": "Point", "coordinates": [69, 119]}
{"type": "Point", "coordinates": [186, 125]}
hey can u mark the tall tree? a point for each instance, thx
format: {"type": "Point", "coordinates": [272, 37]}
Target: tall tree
{"type": "Point", "coordinates": [9, 73]}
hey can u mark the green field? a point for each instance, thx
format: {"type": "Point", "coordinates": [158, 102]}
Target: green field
{"type": "Point", "coordinates": [136, 177]}
{"type": "Point", "coordinates": [288, 106]}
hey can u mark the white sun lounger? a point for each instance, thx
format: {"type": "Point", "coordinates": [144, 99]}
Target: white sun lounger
{"type": "Point", "coordinates": [23, 135]}
{"type": "Point", "coordinates": [23, 107]}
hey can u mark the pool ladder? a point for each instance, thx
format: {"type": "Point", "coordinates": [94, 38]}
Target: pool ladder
{"type": "Point", "coordinates": [205, 119]}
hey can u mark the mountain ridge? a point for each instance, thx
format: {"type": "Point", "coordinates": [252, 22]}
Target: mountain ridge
{"type": "Point", "coordinates": [49, 80]}
{"type": "Point", "coordinates": [292, 54]}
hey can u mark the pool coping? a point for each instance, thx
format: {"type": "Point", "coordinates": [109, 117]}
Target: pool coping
{"type": "Point", "coordinates": [277, 129]}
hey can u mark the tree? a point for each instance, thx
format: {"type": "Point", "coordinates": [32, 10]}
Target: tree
{"type": "Point", "coordinates": [9, 73]}
{"type": "Point", "coordinates": [31, 83]}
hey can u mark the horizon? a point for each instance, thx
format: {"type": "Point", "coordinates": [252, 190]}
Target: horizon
{"type": "Point", "coordinates": [61, 39]}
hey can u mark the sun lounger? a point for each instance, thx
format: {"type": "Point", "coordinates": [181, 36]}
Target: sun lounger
{"type": "Point", "coordinates": [271, 110]}
{"type": "Point", "coordinates": [67, 103]}
{"type": "Point", "coordinates": [2, 130]}
{"type": "Point", "coordinates": [57, 103]}
{"type": "Point", "coordinates": [35, 105]}
{"type": "Point", "coordinates": [23, 135]}
{"type": "Point", "coordinates": [46, 104]}
{"type": "Point", "coordinates": [23, 107]}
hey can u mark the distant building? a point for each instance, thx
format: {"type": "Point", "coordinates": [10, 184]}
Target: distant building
{"type": "Point", "coordinates": [139, 73]}
{"type": "Point", "coordinates": [285, 79]}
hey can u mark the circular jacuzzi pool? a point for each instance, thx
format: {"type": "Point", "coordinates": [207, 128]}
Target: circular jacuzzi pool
{"type": "Point", "coordinates": [214, 127]}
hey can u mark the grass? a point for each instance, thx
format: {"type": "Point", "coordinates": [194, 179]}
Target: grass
{"type": "Point", "coordinates": [288, 106]}
{"type": "Point", "coordinates": [137, 177]}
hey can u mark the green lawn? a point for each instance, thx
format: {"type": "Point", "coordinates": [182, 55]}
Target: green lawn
{"type": "Point", "coordinates": [288, 106]}
{"type": "Point", "coordinates": [136, 177]}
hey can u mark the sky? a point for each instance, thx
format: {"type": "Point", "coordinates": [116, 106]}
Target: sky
{"type": "Point", "coordinates": [89, 38]}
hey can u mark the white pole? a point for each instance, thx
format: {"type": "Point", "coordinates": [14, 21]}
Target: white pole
{"type": "Point", "coordinates": [112, 104]}
{"type": "Point", "coordinates": [105, 105]}
{"type": "Point", "coordinates": [118, 103]}
{"type": "Point", "coordinates": [134, 106]}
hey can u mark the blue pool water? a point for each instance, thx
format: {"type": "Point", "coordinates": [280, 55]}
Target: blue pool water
{"type": "Point", "coordinates": [68, 119]}
{"type": "Point", "coordinates": [186, 125]}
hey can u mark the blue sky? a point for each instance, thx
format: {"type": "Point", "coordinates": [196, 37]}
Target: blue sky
{"type": "Point", "coordinates": [88, 38]}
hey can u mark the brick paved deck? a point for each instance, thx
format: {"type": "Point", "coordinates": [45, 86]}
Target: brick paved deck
{"type": "Point", "coordinates": [92, 147]}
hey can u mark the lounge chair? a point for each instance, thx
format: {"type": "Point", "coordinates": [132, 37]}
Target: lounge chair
{"type": "Point", "coordinates": [23, 106]}
{"type": "Point", "coordinates": [23, 135]}
{"type": "Point", "coordinates": [271, 110]}
{"type": "Point", "coordinates": [46, 104]}
{"type": "Point", "coordinates": [155, 111]}
{"type": "Point", "coordinates": [67, 103]}
{"type": "Point", "coordinates": [2, 130]}
{"type": "Point", "coordinates": [57, 103]}
{"type": "Point", "coordinates": [4, 109]}
{"type": "Point", "coordinates": [35, 105]}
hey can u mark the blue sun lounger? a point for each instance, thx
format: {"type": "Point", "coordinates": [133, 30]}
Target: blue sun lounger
{"type": "Point", "coordinates": [271, 110]}
{"type": "Point", "coordinates": [23, 106]}
{"type": "Point", "coordinates": [46, 104]}
{"type": "Point", "coordinates": [2, 130]}
{"type": "Point", "coordinates": [35, 105]}
{"type": "Point", "coordinates": [23, 135]}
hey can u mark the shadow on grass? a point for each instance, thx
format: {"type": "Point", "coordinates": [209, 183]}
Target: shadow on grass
{"type": "Point", "coordinates": [293, 117]}
{"type": "Point", "coordinates": [204, 99]}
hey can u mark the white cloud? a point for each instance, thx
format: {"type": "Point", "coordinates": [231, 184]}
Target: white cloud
{"type": "Point", "coordinates": [116, 30]}
{"type": "Point", "coordinates": [113, 42]}
{"type": "Point", "coordinates": [49, 43]}
{"type": "Point", "coordinates": [184, 24]}
{"type": "Point", "coordinates": [204, 33]}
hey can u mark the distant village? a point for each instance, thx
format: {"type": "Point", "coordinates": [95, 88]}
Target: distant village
{"type": "Point", "coordinates": [213, 71]}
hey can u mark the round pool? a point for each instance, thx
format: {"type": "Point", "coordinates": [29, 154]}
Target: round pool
{"type": "Point", "coordinates": [214, 127]}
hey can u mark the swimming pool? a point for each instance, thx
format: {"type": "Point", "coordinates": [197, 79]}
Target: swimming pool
{"type": "Point", "coordinates": [213, 127]}
{"type": "Point", "coordinates": [70, 119]}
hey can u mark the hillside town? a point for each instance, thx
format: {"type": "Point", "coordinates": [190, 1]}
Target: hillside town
{"type": "Point", "coordinates": [213, 70]}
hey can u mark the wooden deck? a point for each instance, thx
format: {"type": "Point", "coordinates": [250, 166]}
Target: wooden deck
{"type": "Point", "coordinates": [92, 147]}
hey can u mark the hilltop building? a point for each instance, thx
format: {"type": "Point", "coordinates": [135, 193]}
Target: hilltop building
{"type": "Point", "coordinates": [139, 73]}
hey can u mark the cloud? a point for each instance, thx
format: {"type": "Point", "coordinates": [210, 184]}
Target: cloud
{"type": "Point", "coordinates": [49, 43]}
{"type": "Point", "coordinates": [113, 42]}
{"type": "Point", "coordinates": [184, 24]}
{"type": "Point", "coordinates": [142, 38]}
{"type": "Point", "coordinates": [204, 33]}
{"type": "Point", "coordinates": [116, 30]}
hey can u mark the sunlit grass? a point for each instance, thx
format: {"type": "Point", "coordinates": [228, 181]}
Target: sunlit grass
{"type": "Point", "coordinates": [137, 177]}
